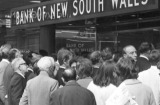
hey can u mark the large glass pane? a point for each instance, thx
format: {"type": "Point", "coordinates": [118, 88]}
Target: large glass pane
{"type": "Point", "coordinates": [77, 37]}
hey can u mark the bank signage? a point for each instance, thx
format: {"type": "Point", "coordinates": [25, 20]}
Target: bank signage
{"type": "Point", "coordinates": [57, 11]}
{"type": "Point", "coordinates": [81, 46]}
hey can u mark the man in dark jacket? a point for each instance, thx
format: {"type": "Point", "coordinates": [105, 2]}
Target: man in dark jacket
{"type": "Point", "coordinates": [18, 82]}
{"type": "Point", "coordinates": [72, 93]}
{"type": "Point", "coordinates": [143, 60]}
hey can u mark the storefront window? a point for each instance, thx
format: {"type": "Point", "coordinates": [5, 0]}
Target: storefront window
{"type": "Point", "coordinates": [80, 41]}
{"type": "Point", "coordinates": [106, 32]}
{"type": "Point", "coordinates": [78, 36]}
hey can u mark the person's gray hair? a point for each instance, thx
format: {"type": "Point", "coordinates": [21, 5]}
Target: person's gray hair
{"type": "Point", "coordinates": [17, 62]}
{"type": "Point", "coordinates": [45, 63]}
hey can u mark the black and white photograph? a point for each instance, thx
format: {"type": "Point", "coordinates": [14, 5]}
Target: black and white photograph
{"type": "Point", "coordinates": [79, 52]}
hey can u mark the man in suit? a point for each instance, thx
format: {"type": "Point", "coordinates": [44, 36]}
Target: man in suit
{"type": "Point", "coordinates": [3, 65]}
{"type": "Point", "coordinates": [151, 77]}
{"type": "Point", "coordinates": [63, 56]}
{"type": "Point", "coordinates": [40, 88]}
{"type": "Point", "coordinates": [18, 82]}
{"type": "Point", "coordinates": [72, 93]}
{"type": "Point", "coordinates": [9, 71]}
{"type": "Point", "coordinates": [143, 60]}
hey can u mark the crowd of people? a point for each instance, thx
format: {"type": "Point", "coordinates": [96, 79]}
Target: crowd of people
{"type": "Point", "coordinates": [30, 78]}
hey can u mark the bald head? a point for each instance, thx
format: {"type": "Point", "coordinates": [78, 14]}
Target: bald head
{"type": "Point", "coordinates": [130, 51]}
{"type": "Point", "coordinates": [69, 74]}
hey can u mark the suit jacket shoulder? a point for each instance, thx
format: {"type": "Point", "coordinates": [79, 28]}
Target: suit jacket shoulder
{"type": "Point", "coordinates": [143, 64]}
{"type": "Point", "coordinates": [72, 94]}
{"type": "Point", "coordinates": [16, 89]}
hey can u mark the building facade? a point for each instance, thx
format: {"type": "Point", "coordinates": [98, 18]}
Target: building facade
{"type": "Point", "coordinates": [86, 25]}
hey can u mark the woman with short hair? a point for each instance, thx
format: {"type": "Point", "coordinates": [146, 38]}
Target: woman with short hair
{"type": "Point", "coordinates": [128, 74]}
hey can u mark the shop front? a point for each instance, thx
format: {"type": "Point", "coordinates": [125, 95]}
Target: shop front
{"type": "Point", "coordinates": [86, 25]}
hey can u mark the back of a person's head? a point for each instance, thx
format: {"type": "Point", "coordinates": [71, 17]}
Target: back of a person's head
{"type": "Point", "coordinates": [34, 57]}
{"type": "Point", "coordinates": [116, 56]}
{"type": "Point", "coordinates": [45, 63]}
{"type": "Point", "coordinates": [95, 57]}
{"type": "Point", "coordinates": [63, 55]}
{"type": "Point", "coordinates": [127, 68]}
{"type": "Point", "coordinates": [154, 57]}
{"type": "Point", "coordinates": [54, 55]}
{"type": "Point", "coordinates": [4, 50]}
{"type": "Point", "coordinates": [144, 47]}
{"type": "Point", "coordinates": [84, 68]}
{"type": "Point", "coordinates": [32, 54]}
{"type": "Point", "coordinates": [26, 57]}
{"type": "Point", "coordinates": [85, 54]}
{"type": "Point", "coordinates": [106, 54]}
{"type": "Point", "coordinates": [72, 61]}
{"type": "Point", "coordinates": [13, 53]}
{"type": "Point", "coordinates": [69, 74]}
{"type": "Point", "coordinates": [17, 62]}
{"type": "Point", "coordinates": [106, 74]}
{"type": "Point", "coordinates": [43, 52]}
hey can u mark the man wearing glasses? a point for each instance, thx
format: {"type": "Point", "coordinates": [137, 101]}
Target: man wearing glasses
{"type": "Point", "coordinates": [18, 81]}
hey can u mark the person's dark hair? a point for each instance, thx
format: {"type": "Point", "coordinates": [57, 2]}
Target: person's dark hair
{"type": "Point", "coordinates": [69, 74]}
{"type": "Point", "coordinates": [5, 50]}
{"type": "Point", "coordinates": [154, 57]}
{"type": "Point", "coordinates": [106, 54]}
{"type": "Point", "coordinates": [26, 57]}
{"type": "Point", "coordinates": [144, 47]}
{"type": "Point", "coordinates": [63, 55]}
{"type": "Point", "coordinates": [36, 68]}
{"type": "Point", "coordinates": [30, 54]}
{"type": "Point", "coordinates": [12, 54]}
{"type": "Point", "coordinates": [116, 56]}
{"type": "Point", "coordinates": [95, 57]}
{"type": "Point", "coordinates": [84, 68]}
{"type": "Point", "coordinates": [32, 58]}
{"type": "Point", "coordinates": [127, 68]}
{"type": "Point", "coordinates": [106, 74]}
{"type": "Point", "coordinates": [5, 55]}
{"type": "Point", "coordinates": [43, 52]}
{"type": "Point", "coordinates": [73, 60]}
{"type": "Point", "coordinates": [85, 54]}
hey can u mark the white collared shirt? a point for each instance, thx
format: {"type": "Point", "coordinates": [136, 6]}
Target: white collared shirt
{"type": "Point", "coordinates": [20, 74]}
{"type": "Point", "coordinates": [62, 67]}
{"type": "Point", "coordinates": [5, 60]}
{"type": "Point", "coordinates": [30, 69]}
{"type": "Point", "coordinates": [144, 57]}
{"type": "Point", "coordinates": [151, 78]}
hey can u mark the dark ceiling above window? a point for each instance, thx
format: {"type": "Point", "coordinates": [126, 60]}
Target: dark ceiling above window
{"type": "Point", "coordinates": [9, 4]}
